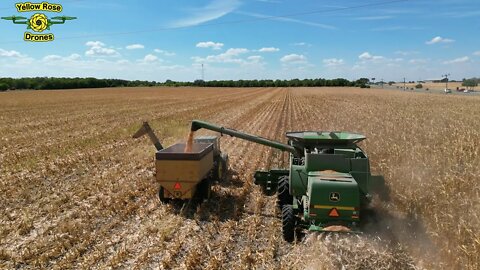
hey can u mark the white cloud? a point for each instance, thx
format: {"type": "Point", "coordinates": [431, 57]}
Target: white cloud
{"type": "Point", "coordinates": [166, 53]}
{"type": "Point", "coordinates": [230, 56]}
{"type": "Point", "coordinates": [212, 11]}
{"type": "Point", "coordinates": [55, 58]}
{"type": "Point", "coordinates": [366, 56]}
{"type": "Point", "coordinates": [5, 53]}
{"type": "Point", "coordinates": [477, 53]}
{"type": "Point", "coordinates": [376, 64]}
{"type": "Point", "coordinates": [255, 58]}
{"type": "Point", "coordinates": [52, 57]}
{"type": "Point", "coordinates": [98, 48]}
{"type": "Point", "coordinates": [332, 62]}
{"type": "Point", "coordinates": [417, 61]}
{"type": "Point", "coordinates": [135, 47]}
{"type": "Point", "coordinates": [95, 44]}
{"type": "Point", "coordinates": [406, 53]}
{"type": "Point", "coordinates": [269, 49]}
{"type": "Point", "coordinates": [210, 44]}
{"type": "Point", "coordinates": [294, 59]}
{"type": "Point", "coordinates": [96, 67]}
{"type": "Point", "coordinates": [235, 51]}
{"type": "Point", "coordinates": [149, 58]}
{"type": "Point", "coordinates": [74, 56]}
{"type": "Point", "coordinates": [439, 39]}
{"type": "Point", "coordinates": [458, 60]}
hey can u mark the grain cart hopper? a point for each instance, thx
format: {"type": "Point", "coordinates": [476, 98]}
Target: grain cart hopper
{"type": "Point", "coordinates": [183, 173]}
{"type": "Point", "coordinates": [327, 185]}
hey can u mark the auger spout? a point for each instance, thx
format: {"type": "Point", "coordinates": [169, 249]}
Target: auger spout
{"type": "Point", "coordinates": [197, 124]}
{"type": "Point", "coordinates": [146, 129]}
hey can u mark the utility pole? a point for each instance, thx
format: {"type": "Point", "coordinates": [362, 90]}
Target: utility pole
{"type": "Point", "coordinates": [404, 87]}
{"type": "Point", "coordinates": [381, 82]}
{"type": "Point", "coordinates": [446, 77]}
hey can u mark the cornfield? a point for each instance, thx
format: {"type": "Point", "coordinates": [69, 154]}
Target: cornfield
{"type": "Point", "coordinates": [78, 192]}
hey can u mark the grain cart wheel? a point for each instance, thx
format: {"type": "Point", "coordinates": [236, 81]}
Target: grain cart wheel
{"type": "Point", "coordinates": [283, 196]}
{"type": "Point", "coordinates": [161, 195]}
{"type": "Point", "coordinates": [288, 223]}
{"type": "Point", "coordinates": [221, 168]}
{"type": "Point", "coordinates": [224, 167]}
{"type": "Point", "coordinates": [204, 189]}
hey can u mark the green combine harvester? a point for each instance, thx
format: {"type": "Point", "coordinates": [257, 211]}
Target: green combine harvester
{"type": "Point", "coordinates": [328, 185]}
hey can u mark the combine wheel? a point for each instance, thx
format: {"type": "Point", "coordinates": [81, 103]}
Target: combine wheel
{"type": "Point", "coordinates": [288, 223]}
{"type": "Point", "coordinates": [284, 196]}
{"type": "Point", "coordinates": [368, 216]}
{"type": "Point", "coordinates": [161, 195]}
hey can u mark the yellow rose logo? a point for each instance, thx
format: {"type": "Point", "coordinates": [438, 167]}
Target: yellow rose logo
{"type": "Point", "coordinates": [38, 22]}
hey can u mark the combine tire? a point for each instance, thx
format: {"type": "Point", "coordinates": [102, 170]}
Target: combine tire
{"type": "Point", "coordinates": [288, 223]}
{"type": "Point", "coordinates": [161, 195]}
{"type": "Point", "coordinates": [368, 216]}
{"type": "Point", "coordinates": [284, 196]}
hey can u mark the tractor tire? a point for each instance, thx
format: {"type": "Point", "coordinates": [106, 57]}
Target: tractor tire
{"type": "Point", "coordinates": [161, 195]}
{"type": "Point", "coordinates": [288, 223]}
{"type": "Point", "coordinates": [283, 195]}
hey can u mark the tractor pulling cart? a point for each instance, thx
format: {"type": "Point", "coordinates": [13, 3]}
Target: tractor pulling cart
{"type": "Point", "coordinates": [327, 186]}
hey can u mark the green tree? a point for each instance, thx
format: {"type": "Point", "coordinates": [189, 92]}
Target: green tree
{"type": "Point", "coordinates": [3, 87]}
{"type": "Point", "coordinates": [470, 83]}
{"type": "Point", "coordinates": [362, 81]}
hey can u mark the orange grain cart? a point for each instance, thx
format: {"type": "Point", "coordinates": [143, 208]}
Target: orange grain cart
{"type": "Point", "coordinates": [181, 173]}
{"type": "Point", "coordinates": [185, 170]}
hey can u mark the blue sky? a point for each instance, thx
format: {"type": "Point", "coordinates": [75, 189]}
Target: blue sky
{"type": "Point", "coordinates": [254, 39]}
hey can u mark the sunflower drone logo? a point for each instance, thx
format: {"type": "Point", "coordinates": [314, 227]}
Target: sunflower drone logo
{"type": "Point", "coordinates": [38, 22]}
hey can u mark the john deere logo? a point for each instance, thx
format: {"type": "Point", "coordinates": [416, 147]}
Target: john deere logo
{"type": "Point", "coordinates": [38, 22]}
{"type": "Point", "coordinates": [334, 196]}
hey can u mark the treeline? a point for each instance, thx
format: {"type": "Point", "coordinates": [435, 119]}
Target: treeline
{"type": "Point", "coordinates": [265, 83]}
{"type": "Point", "coordinates": [471, 83]}
{"type": "Point", "coordinates": [474, 79]}
{"type": "Point", "coordinates": [43, 83]}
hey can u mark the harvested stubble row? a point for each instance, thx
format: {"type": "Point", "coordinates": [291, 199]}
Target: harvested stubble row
{"type": "Point", "coordinates": [78, 192]}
